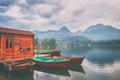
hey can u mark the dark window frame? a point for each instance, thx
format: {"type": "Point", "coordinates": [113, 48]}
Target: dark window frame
{"type": "Point", "coordinates": [9, 42]}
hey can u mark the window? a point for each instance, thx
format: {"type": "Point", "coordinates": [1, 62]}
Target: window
{"type": "Point", "coordinates": [28, 49]}
{"type": "Point", "coordinates": [17, 43]}
{"type": "Point", "coordinates": [8, 41]}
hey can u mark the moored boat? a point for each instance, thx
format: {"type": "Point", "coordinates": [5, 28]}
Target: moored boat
{"type": "Point", "coordinates": [73, 60]}
{"type": "Point", "coordinates": [51, 62]}
{"type": "Point", "coordinates": [47, 53]}
{"type": "Point", "coordinates": [56, 53]}
{"type": "Point", "coordinates": [18, 65]}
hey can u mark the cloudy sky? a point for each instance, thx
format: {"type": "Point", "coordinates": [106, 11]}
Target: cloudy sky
{"type": "Point", "coordinates": [53, 14]}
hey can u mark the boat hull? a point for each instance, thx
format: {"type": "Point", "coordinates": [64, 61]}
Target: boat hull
{"type": "Point", "coordinates": [56, 53]}
{"type": "Point", "coordinates": [52, 53]}
{"type": "Point", "coordinates": [74, 60]}
{"type": "Point", "coordinates": [19, 66]}
{"type": "Point", "coordinates": [53, 64]}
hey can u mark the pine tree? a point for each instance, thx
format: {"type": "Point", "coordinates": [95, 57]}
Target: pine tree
{"type": "Point", "coordinates": [49, 43]}
{"type": "Point", "coordinates": [36, 42]}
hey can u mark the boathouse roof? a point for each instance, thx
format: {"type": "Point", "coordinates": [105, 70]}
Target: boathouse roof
{"type": "Point", "coordinates": [15, 31]}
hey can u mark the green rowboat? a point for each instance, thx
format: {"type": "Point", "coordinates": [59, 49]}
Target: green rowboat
{"type": "Point", "coordinates": [51, 62]}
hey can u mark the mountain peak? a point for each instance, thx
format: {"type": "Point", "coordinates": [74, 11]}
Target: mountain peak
{"type": "Point", "coordinates": [98, 27]}
{"type": "Point", "coordinates": [101, 31]}
{"type": "Point", "coordinates": [64, 29]}
{"type": "Point", "coordinates": [100, 24]}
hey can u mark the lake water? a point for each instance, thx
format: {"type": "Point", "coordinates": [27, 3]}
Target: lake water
{"type": "Point", "coordinates": [100, 63]}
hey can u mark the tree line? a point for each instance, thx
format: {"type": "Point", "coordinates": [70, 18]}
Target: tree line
{"type": "Point", "coordinates": [50, 43]}
{"type": "Point", "coordinates": [47, 43]}
{"type": "Point", "coordinates": [114, 42]}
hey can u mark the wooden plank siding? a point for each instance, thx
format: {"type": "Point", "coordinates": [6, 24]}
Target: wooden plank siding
{"type": "Point", "coordinates": [0, 48]}
{"type": "Point", "coordinates": [14, 46]}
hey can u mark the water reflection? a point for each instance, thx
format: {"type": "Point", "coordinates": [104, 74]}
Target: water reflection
{"type": "Point", "coordinates": [101, 62]}
{"type": "Point", "coordinates": [106, 72]}
{"type": "Point", "coordinates": [96, 54]}
{"type": "Point", "coordinates": [74, 51]}
{"type": "Point", "coordinates": [23, 75]}
{"type": "Point", "coordinates": [56, 71]}
{"type": "Point", "coordinates": [42, 73]}
{"type": "Point", "coordinates": [103, 55]}
{"type": "Point", "coordinates": [60, 71]}
{"type": "Point", "coordinates": [76, 68]}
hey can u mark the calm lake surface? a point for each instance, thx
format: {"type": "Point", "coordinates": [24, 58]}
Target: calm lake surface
{"type": "Point", "coordinates": [100, 63]}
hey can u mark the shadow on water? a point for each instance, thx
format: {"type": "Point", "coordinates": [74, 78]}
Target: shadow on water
{"type": "Point", "coordinates": [30, 75]}
{"type": "Point", "coordinates": [56, 71]}
{"type": "Point", "coordinates": [76, 68]}
{"type": "Point", "coordinates": [21, 75]}
{"type": "Point", "coordinates": [60, 71]}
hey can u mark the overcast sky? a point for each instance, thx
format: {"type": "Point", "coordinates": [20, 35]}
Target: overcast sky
{"type": "Point", "coordinates": [53, 14]}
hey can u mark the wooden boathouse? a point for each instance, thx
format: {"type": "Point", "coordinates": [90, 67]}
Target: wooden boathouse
{"type": "Point", "coordinates": [16, 44]}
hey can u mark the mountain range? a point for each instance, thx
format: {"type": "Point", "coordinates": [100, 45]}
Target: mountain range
{"type": "Point", "coordinates": [94, 32]}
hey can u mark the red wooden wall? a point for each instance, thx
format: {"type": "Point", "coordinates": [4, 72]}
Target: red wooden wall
{"type": "Point", "coordinates": [22, 47]}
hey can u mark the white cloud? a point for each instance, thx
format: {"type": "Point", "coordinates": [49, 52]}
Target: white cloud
{"type": "Point", "coordinates": [43, 9]}
{"type": "Point", "coordinates": [21, 1]}
{"type": "Point", "coordinates": [15, 12]}
{"type": "Point", "coordinates": [75, 14]}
